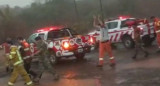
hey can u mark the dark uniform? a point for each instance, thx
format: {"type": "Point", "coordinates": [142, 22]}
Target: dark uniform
{"type": "Point", "coordinates": [44, 63]}
{"type": "Point", "coordinates": [138, 42]}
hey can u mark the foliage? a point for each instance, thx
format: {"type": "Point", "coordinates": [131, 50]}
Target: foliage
{"type": "Point", "coordinates": [19, 21]}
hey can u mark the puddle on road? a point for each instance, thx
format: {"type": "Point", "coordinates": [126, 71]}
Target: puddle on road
{"type": "Point", "coordinates": [138, 77]}
{"type": "Point", "coordinates": [72, 82]}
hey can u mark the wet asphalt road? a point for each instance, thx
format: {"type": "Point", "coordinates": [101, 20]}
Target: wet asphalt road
{"type": "Point", "coordinates": [128, 72]}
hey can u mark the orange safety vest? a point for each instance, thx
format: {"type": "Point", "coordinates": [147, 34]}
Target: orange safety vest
{"type": "Point", "coordinates": [157, 25]}
{"type": "Point", "coordinates": [27, 52]}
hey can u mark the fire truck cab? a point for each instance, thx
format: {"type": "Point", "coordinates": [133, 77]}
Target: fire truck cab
{"type": "Point", "coordinates": [119, 31]}
{"type": "Point", "coordinates": [62, 42]}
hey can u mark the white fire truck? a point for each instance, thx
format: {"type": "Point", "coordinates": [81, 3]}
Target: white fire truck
{"type": "Point", "coordinates": [62, 42]}
{"type": "Point", "coordinates": [119, 31]}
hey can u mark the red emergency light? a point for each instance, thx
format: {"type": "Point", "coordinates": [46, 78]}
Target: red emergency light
{"type": "Point", "coordinates": [123, 17]}
{"type": "Point", "coordinates": [66, 45]}
{"type": "Point", "coordinates": [49, 29]}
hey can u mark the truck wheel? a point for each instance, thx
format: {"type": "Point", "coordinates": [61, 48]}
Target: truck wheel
{"type": "Point", "coordinates": [53, 59]}
{"type": "Point", "coordinates": [80, 56]}
{"type": "Point", "coordinates": [128, 42]}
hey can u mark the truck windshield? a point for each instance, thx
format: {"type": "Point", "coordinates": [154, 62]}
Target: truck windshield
{"type": "Point", "coordinates": [58, 34]}
{"type": "Point", "coordinates": [31, 39]}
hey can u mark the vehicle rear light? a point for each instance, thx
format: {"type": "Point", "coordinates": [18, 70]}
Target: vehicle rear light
{"type": "Point", "coordinates": [66, 45]}
{"type": "Point", "coordinates": [91, 40]}
{"type": "Point", "coordinates": [123, 17]}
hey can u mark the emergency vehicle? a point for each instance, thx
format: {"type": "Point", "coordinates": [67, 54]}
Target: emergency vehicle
{"type": "Point", "coordinates": [119, 31]}
{"type": "Point", "coordinates": [62, 42]}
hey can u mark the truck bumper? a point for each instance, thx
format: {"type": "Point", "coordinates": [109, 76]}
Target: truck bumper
{"type": "Point", "coordinates": [68, 53]}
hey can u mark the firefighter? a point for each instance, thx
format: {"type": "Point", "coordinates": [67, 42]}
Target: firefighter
{"type": "Point", "coordinates": [138, 41]}
{"type": "Point", "coordinates": [156, 24]}
{"type": "Point", "coordinates": [18, 68]}
{"type": "Point", "coordinates": [44, 63]}
{"type": "Point", "coordinates": [104, 45]}
{"type": "Point", "coordinates": [6, 47]}
{"type": "Point", "coordinates": [26, 55]}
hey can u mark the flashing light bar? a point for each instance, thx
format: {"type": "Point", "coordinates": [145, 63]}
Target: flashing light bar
{"type": "Point", "coordinates": [48, 29]}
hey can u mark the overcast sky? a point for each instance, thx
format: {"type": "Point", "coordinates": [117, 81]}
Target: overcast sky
{"type": "Point", "coordinates": [13, 3]}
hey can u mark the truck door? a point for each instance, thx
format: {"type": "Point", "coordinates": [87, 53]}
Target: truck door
{"type": "Point", "coordinates": [113, 30]}
{"type": "Point", "coordinates": [125, 29]}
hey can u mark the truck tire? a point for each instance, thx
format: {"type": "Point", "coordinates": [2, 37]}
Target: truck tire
{"type": "Point", "coordinates": [80, 56]}
{"type": "Point", "coordinates": [128, 41]}
{"type": "Point", "coordinates": [53, 59]}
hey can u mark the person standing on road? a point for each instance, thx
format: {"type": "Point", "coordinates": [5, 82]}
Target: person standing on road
{"type": "Point", "coordinates": [6, 46]}
{"type": "Point", "coordinates": [156, 24]}
{"type": "Point", "coordinates": [24, 48]}
{"type": "Point", "coordinates": [138, 41]}
{"type": "Point", "coordinates": [44, 63]}
{"type": "Point", "coordinates": [18, 68]}
{"type": "Point", "coordinates": [104, 45]}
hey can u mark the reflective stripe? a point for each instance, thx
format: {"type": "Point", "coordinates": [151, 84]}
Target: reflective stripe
{"type": "Point", "coordinates": [19, 47]}
{"type": "Point", "coordinates": [13, 52]}
{"type": "Point", "coordinates": [9, 83]}
{"type": "Point", "coordinates": [100, 58]}
{"type": "Point", "coordinates": [18, 62]}
{"type": "Point", "coordinates": [29, 83]}
{"type": "Point", "coordinates": [26, 49]}
{"type": "Point", "coordinates": [26, 57]}
{"type": "Point", "coordinates": [157, 31]}
{"type": "Point", "coordinates": [19, 57]}
{"type": "Point", "coordinates": [10, 57]}
{"type": "Point", "coordinates": [13, 46]}
{"type": "Point", "coordinates": [111, 57]}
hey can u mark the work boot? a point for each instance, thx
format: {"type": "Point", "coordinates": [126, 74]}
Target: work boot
{"type": "Point", "coordinates": [56, 77]}
{"type": "Point", "coordinates": [134, 57]}
{"type": "Point", "coordinates": [36, 80]}
{"type": "Point", "coordinates": [112, 64]}
{"type": "Point", "coordinates": [146, 54]}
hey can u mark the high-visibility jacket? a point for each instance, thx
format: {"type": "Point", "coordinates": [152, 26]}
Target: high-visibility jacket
{"type": "Point", "coordinates": [15, 55]}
